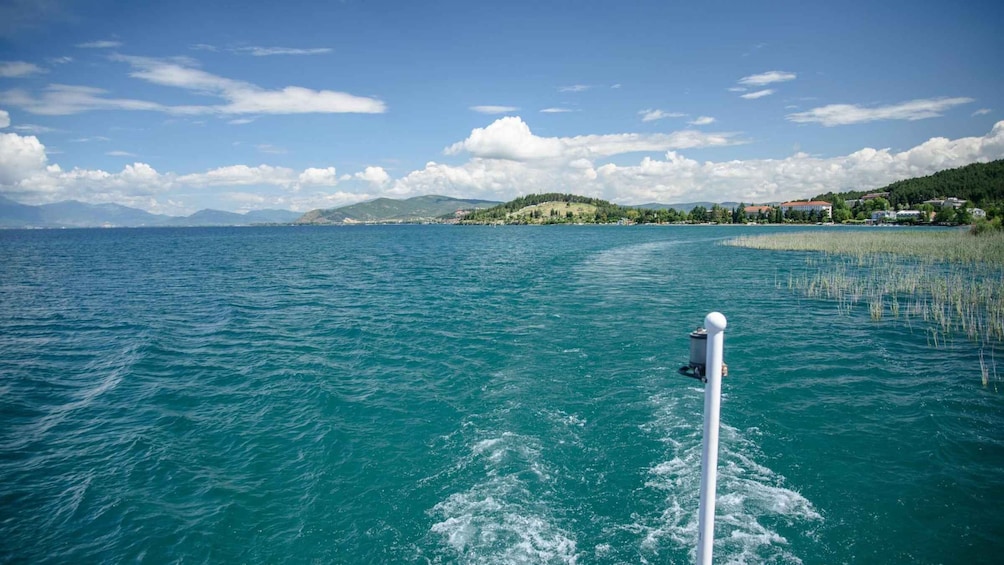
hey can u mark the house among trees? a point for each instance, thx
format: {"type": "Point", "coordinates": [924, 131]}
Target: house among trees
{"type": "Point", "coordinates": [754, 211]}
{"type": "Point", "coordinates": [815, 207]}
{"type": "Point", "coordinates": [875, 195]}
{"type": "Point", "coordinates": [950, 201]}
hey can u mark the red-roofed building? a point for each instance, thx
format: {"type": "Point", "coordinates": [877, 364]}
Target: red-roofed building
{"type": "Point", "coordinates": [810, 206]}
{"type": "Point", "coordinates": [754, 210]}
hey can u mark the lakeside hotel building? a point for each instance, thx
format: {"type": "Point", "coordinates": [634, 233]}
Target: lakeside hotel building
{"type": "Point", "coordinates": [809, 206]}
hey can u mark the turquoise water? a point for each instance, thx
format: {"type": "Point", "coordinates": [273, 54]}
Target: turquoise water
{"type": "Point", "coordinates": [439, 394]}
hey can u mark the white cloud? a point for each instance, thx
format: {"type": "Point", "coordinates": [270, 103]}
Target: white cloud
{"type": "Point", "coordinates": [16, 69]}
{"type": "Point", "coordinates": [118, 153]}
{"type": "Point", "coordinates": [769, 77]}
{"type": "Point", "coordinates": [510, 138]}
{"type": "Point", "coordinates": [737, 89]}
{"type": "Point", "coordinates": [241, 121]}
{"type": "Point", "coordinates": [62, 100]}
{"type": "Point", "coordinates": [60, 60]}
{"type": "Point", "coordinates": [267, 51]}
{"type": "Point", "coordinates": [373, 175]}
{"type": "Point", "coordinates": [579, 162]}
{"type": "Point", "coordinates": [100, 44]}
{"type": "Point", "coordinates": [982, 111]}
{"type": "Point", "coordinates": [845, 114]}
{"type": "Point", "coordinates": [4, 119]}
{"type": "Point", "coordinates": [652, 115]}
{"type": "Point", "coordinates": [20, 156]}
{"type": "Point", "coordinates": [757, 94]}
{"type": "Point", "coordinates": [242, 175]}
{"type": "Point", "coordinates": [494, 109]}
{"type": "Point", "coordinates": [574, 88]}
{"type": "Point", "coordinates": [556, 110]}
{"type": "Point", "coordinates": [618, 85]}
{"type": "Point", "coordinates": [318, 177]}
{"type": "Point", "coordinates": [241, 97]}
{"type": "Point", "coordinates": [702, 121]}
{"type": "Point", "coordinates": [676, 178]}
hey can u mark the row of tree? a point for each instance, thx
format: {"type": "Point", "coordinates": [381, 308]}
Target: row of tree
{"type": "Point", "coordinates": [981, 184]}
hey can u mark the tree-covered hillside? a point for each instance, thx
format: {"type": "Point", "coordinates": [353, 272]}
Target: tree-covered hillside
{"type": "Point", "coordinates": [416, 209]}
{"type": "Point", "coordinates": [980, 183]}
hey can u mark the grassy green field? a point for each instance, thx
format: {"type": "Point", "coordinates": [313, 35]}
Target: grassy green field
{"type": "Point", "coordinates": [947, 282]}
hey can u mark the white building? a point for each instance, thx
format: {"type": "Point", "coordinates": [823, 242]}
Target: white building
{"type": "Point", "coordinates": [883, 216]}
{"type": "Point", "coordinates": [810, 206]}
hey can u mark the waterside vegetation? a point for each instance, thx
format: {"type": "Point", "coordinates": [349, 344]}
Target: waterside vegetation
{"type": "Point", "coordinates": [950, 282]}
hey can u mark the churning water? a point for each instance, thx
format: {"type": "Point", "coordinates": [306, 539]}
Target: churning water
{"type": "Point", "coordinates": [434, 394]}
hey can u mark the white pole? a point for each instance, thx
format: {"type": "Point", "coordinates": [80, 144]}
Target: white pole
{"type": "Point", "coordinates": [715, 324]}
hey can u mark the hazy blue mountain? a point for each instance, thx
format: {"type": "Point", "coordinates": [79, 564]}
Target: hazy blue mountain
{"type": "Point", "coordinates": [415, 209]}
{"type": "Point", "coordinates": [272, 216]}
{"type": "Point", "coordinates": [17, 215]}
{"type": "Point", "coordinates": [211, 218]}
{"type": "Point", "coordinates": [74, 214]}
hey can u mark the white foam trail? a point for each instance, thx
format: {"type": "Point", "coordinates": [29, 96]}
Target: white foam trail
{"type": "Point", "coordinates": [751, 498]}
{"type": "Point", "coordinates": [501, 519]}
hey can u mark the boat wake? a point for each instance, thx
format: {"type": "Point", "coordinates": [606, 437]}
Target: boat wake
{"type": "Point", "coordinates": [754, 510]}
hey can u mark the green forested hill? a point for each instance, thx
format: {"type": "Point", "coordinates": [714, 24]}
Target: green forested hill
{"type": "Point", "coordinates": [981, 183]}
{"type": "Point", "coordinates": [556, 208]}
{"type": "Point", "coordinates": [415, 209]}
{"type": "Point", "coordinates": [550, 207]}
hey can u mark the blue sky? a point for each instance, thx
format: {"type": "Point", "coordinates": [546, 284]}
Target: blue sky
{"type": "Point", "coordinates": [180, 106]}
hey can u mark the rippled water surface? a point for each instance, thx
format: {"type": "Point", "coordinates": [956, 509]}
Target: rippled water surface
{"type": "Point", "coordinates": [476, 395]}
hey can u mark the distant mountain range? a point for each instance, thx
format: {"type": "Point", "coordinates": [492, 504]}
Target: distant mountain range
{"type": "Point", "coordinates": [74, 214]}
{"type": "Point", "coordinates": [387, 210]}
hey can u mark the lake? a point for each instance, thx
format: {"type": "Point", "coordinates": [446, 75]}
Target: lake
{"type": "Point", "coordinates": [439, 394]}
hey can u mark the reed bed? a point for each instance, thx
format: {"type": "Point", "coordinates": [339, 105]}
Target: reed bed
{"type": "Point", "coordinates": [949, 282]}
{"type": "Point", "coordinates": [955, 246]}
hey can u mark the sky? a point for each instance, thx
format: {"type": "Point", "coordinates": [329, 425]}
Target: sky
{"type": "Point", "coordinates": [173, 107]}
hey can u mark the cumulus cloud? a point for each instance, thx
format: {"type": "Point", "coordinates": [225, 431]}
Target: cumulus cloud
{"type": "Point", "coordinates": [240, 97]}
{"type": "Point", "coordinates": [318, 177]}
{"type": "Point", "coordinates": [373, 175]}
{"type": "Point", "coordinates": [845, 114]}
{"type": "Point", "coordinates": [16, 69]}
{"type": "Point", "coordinates": [651, 115]}
{"type": "Point", "coordinates": [757, 94]}
{"type": "Point", "coordinates": [675, 178]}
{"type": "Point", "coordinates": [27, 176]}
{"type": "Point", "coordinates": [769, 77]}
{"type": "Point", "coordinates": [702, 121]}
{"type": "Point", "coordinates": [494, 109]}
{"type": "Point", "coordinates": [510, 138]}
{"type": "Point", "coordinates": [577, 164]}
{"type": "Point", "coordinates": [20, 157]}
